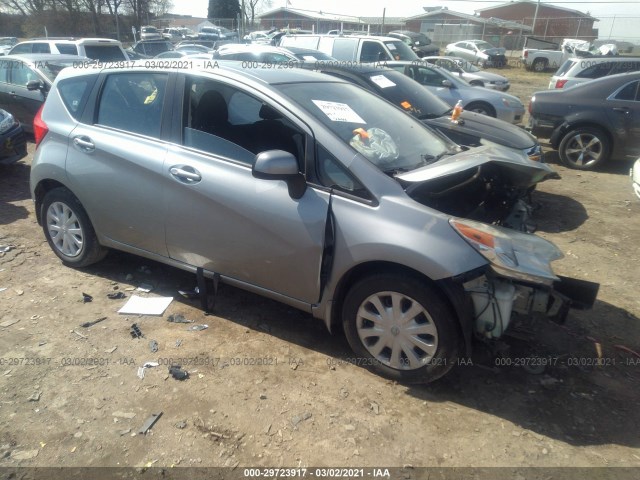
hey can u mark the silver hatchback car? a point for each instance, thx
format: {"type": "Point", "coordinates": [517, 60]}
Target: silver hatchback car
{"type": "Point", "coordinates": [300, 187]}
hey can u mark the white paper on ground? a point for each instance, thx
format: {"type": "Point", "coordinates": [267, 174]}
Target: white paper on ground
{"type": "Point", "coordinates": [145, 305]}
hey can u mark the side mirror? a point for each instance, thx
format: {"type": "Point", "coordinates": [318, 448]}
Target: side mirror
{"type": "Point", "coordinates": [280, 165]}
{"type": "Point", "coordinates": [447, 83]}
{"type": "Point", "coordinates": [35, 85]}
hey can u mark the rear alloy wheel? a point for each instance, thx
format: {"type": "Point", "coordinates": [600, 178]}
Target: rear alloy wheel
{"type": "Point", "coordinates": [68, 229]}
{"type": "Point", "coordinates": [481, 108]}
{"type": "Point", "coordinates": [539, 65]}
{"type": "Point", "coordinates": [401, 328]}
{"type": "Point", "coordinates": [584, 148]}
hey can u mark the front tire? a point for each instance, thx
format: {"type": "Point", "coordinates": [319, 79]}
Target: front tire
{"type": "Point", "coordinates": [68, 229]}
{"type": "Point", "coordinates": [481, 108]}
{"type": "Point", "coordinates": [584, 148]}
{"type": "Point", "coordinates": [400, 327]}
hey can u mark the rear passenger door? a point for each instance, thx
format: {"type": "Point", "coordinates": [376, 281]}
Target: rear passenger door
{"type": "Point", "coordinates": [116, 152]}
{"type": "Point", "coordinates": [623, 110]}
{"type": "Point", "coordinates": [220, 217]}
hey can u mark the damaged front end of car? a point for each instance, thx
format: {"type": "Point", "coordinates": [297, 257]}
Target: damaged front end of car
{"type": "Point", "coordinates": [489, 184]}
{"type": "Point", "coordinates": [518, 279]}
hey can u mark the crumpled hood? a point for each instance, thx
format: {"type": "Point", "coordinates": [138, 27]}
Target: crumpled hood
{"type": "Point", "coordinates": [482, 126]}
{"type": "Point", "coordinates": [521, 171]}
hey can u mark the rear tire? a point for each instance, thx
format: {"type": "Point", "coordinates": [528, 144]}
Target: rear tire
{"type": "Point", "coordinates": [400, 327]}
{"type": "Point", "coordinates": [584, 148]}
{"type": "Point", "coordinates": [68, 229]}
{"type": "Point", "coordinates": [539, 65]}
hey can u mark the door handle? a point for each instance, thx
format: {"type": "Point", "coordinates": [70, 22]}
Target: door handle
{"type": "Point", "coordinates": [84, 143]}
{"type": "Point", "coordinates": [621, 109]}
{"type": "Point", "coordinates": [191, 175]}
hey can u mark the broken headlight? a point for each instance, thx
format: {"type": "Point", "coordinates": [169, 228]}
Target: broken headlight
{"type": "Point", "coordinates": [515, 255]}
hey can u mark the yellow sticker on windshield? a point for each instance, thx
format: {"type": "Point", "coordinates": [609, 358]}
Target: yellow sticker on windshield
{"type": "Point", "coordinates": [406, 105]}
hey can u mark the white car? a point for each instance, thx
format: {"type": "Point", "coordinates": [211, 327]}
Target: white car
{"type": "Point", "coordinates": [469, 72]}
{"type": "Point", "coordinates": [635, 177]}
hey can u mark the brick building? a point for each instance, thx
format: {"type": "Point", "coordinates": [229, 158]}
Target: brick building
{"type": "Point", "coordinates": [552, 22]}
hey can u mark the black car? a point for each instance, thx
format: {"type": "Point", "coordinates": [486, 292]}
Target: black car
{"type": "Point", "coordinates": [419, 42]}
{"type": "Point", "coordinates": [13, 145]}
{"type": "Point", "coordinates": [471, 130]}
{"type": "Point", "coordinates": [590, 123]}
{"type": "Point", "coordinates": [25, 81]}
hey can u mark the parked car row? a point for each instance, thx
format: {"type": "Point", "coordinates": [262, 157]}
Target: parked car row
{"type": "Point", "coordinates": [301, 169]}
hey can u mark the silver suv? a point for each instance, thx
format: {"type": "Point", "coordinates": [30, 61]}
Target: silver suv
{"type": "Point", "coordinates": [299, 187]}
{"type": "Point", "coordinates": [103, 49]}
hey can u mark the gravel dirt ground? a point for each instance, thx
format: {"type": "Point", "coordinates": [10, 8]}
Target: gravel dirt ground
{"type": "Point", "coordinates": [269, 386]}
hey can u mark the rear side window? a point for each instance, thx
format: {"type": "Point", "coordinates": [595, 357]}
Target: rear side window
{"type": "Point", "coordinates": [41, 48]}
{"type": "Point", "coordinates": [74, 92]}
{"type": "Point", "coordinates": [105, 53]}
{"type": "Point", "coordinates": [67, 48]}
{"type": "Point", "coordinates": [626, 66]}
{"type": "Point", "coordinates": [596, 71]}
{"type": "Point", "coordinates": [133, 102]}
{"type": "Point", "coordinates": [344, 49]}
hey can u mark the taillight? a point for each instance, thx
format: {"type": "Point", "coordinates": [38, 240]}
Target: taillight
{"type": "Point", "coordinates": [40, 128]}
{"type": "Point", "coordinates": [526, 54]}
{"type": "Point", "coordinates": [533, 99]}
{"type": "Point", "coordinates": [560, 83]}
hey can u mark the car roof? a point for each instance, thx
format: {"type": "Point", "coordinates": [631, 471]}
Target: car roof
{"type": "Point", "coordinates": [70, 40]}
{"type": "Point", "coordinates": [228, 69]}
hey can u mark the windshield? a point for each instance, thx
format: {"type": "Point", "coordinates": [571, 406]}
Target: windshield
{"type": "Point", "coordinates": [400, 50]}
{"type": "Point", "coordinates": [384, 135]}
{"type": "Point", "coordinates": [149, 30]}
{"type": "Point", "coordinates": [51, 69]}
{"type": "Point", "coordinates": [420, 40]}
{"type": "Point", "coordinates": [407, 93]}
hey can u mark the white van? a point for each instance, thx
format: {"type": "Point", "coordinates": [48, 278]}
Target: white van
{"type": "Point", "coordinates": [353, 48]}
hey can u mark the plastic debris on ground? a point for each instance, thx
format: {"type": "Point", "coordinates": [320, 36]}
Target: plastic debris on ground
{"type": "Point", "coordinates": [177, 318]}
{"type": "Point", "coordinates": [86, 298]}
{"type": "Point", "coordinates": [176, 372]}
{"type": "Point", "coordinates": [116, 295]}
{"type": "Point", "coordinates": [91, 324]}
{"type": "Point", "coordinates": [145, 305]}
{"type": "Point", "coordinates": [197, 328]}
{"type": "Point", "coordinates": [135, 331]}
{"type": "Point", "coordinates": [153, 346]}
{"type": "Point", "coordinates": [149, 422]}
{"type": "Point", "coordinates": [144, 287]}
{"type": "Point", "coordinates": [195, 293]}
{"type": "Point", "coordinates": [144, 367]}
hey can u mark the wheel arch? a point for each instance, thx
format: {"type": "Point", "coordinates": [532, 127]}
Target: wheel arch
{"type": "Point", "coordinates": [42, 188]}
{"type": "Point", "coordinates": [451, 289]}
{"type": "Point", "coordinates": [566, 127]}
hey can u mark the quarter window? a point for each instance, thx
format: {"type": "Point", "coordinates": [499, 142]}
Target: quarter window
{"type": "Point", "coordinates": [629, 92]}
{"type": "Point", "coordinates": [133, 102]}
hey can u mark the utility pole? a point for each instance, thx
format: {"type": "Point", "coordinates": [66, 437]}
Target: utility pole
{"type": "Point", "coordinates": [535, 17]}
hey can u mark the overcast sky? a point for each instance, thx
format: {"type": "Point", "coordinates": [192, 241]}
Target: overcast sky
{"type": "Point", "coordinates": [623, 25]}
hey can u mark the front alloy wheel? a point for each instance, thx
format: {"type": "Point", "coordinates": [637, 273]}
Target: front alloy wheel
{"type": "Point", "coordinates": [401, 327]}
{"type": "Point", "coordinates": [584, 148]}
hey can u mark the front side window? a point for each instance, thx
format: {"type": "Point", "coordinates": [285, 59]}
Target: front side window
{"type": "Point", "coordinates": [133, 102]}
{"type": "Point", "coordinates": [228, 122]}
{"type": "Point", "coordinates": [22, 48]}
{"type": "Point", "coordinates": [373, 52]}
{"type": "Point", "coordinates": [21, 74]}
